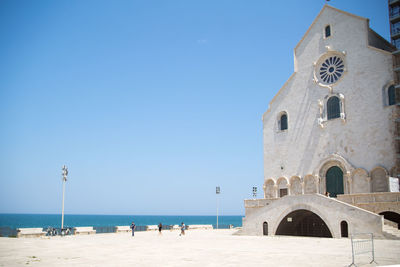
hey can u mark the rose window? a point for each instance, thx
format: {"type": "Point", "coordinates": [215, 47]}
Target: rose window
{"type": "Point", "coordinates": [330, 70]}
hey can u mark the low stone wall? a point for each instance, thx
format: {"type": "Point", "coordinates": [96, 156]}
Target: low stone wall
{"type": "Point", "coordinates": [370, 197]}
{"type": "Point", "coordinates": [37, 232]}
{"type": "Point", "coordinates": [122, 229]}
{"type": "Point", "coordinates": [152, 227]}
{"type": "Point", "coordinates": [257, 203]}
{"type": "Point", "coordinates": [30, 232]}
{"type": "Point", "coordinates": [374, 202]}
{"type": "Point", "coordinates": [201, 226]}
{"type": "Point", "coordinates": [84, 230]}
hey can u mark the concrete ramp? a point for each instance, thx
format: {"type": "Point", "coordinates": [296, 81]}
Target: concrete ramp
{"type": "Point", "coordinates": [265, 215]}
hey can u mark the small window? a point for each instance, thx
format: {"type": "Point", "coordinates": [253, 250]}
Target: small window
{"type": "Point", "coordinates": [327, 31]}
{"type": "Point", "coordinates": [265, 228]}
{"type": "Point", "coordinates": [333, 106]}
{"type": "Point", "coordinates": [283, 192]}
{"type": "Point", "coordinates": [391, 95]}
{"type": "Point", "coordinates": [344, 229]}
{"type": "Point", "coordinates": [283, 122]}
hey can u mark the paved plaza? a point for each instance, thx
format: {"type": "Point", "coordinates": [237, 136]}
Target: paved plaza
{"type": "Point", "coordinates": [196, 248]}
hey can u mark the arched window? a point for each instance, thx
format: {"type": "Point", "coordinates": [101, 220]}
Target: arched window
{"type": "Point", "coordinates": [283, 122]}
{"type": "Point", "coordinates": [265, 228]}
{"type": "Point", "coordinates": [344, 229]}
{"type": "Point", "coordinates": [391, 95]}
{"type": "Point", "coordinates": [333, 106]}
{"type": "Point", "coordinates": [327, 31]}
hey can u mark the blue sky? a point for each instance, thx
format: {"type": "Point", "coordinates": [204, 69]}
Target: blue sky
{"type": "Point", "coordinates": [150, 104]}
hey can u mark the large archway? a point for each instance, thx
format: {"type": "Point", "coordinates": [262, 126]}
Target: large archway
{"type": "Point", "coordinates": [392, 216]}
{"type": "Point", "coordinates": [303, 223]}
{"type": "Point", "coordinates": [334, 181]}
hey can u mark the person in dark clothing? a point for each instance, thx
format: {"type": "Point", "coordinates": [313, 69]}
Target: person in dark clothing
{"type": "Point", "coordinates": [182, 229]}
{"type": "Point", "coordinates": [133, 227]}
{"type": "Point", "coordinates": [159, 228]}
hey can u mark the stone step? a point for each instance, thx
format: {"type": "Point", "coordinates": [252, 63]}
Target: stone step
{"type": "Point", "coordinates": [390, 223]}
{"type": "Point", "coordinates": [390, 236]}
{"type": "Point", "coordinates": [391, 232]}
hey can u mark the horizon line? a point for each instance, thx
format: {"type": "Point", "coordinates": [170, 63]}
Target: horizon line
{"type": "Point", "coordinates": [119, 214]}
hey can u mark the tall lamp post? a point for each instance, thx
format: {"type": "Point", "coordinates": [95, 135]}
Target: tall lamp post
{"type": "Point", "coordinates": [64, 179]}
{"type": "Point", "coordinates": [254, 192]}
{"type": "Point", "coordinates": [217, 192]}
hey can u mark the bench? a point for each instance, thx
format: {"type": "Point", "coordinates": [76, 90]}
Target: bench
{"type": "Point", "coordinates": [200, 226]}
{"type": "Point", "coordinates": [152, 227]}
{"type": "Point", "coordinates": [122, 229]}
{"type": "Point", "coordinates": [84, 230]}
{"type": "Point", "coordinates": [176, 227]}
{"type": "Point", "coordinates": [30, 232]}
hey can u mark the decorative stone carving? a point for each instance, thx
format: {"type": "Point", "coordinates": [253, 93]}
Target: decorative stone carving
{"type": "Point", "coordinates": [310, 185]}
{"type": "Point", "coordinates": [360, 183]}
{"type": "Point", "coordinates": [379, 180]}
{"type": "Point", "coordinates": [296, 187]}
{"type": "Point", "coordinates": [269, 191]}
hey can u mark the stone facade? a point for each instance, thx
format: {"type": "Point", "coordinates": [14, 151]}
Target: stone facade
{"type": "Point", "coordinates": [361, 137]}
{"type": "Point", "coordinates": [330, 119]}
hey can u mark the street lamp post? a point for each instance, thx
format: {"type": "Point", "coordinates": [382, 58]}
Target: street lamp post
{"type": "Point", "coordinates": [64, 179]}
{"type": "Point", "coordinates": [217, 192]}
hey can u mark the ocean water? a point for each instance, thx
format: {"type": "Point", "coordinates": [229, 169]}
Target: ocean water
{"type": "Point", "coordinates": [70, 220]}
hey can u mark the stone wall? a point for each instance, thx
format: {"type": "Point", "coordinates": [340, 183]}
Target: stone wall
{"type": "Point", "coordinates": [330, 210]}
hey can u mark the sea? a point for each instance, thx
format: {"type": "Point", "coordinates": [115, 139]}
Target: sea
{"type": "Point", "coordinates": [73, 220]}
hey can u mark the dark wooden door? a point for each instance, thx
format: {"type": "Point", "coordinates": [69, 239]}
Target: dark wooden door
{"type": "Point", "coordinates": [334, 181]}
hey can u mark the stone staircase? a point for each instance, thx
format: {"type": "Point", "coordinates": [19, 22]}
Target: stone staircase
{"type": "Point", "coordinates": [391, 232]}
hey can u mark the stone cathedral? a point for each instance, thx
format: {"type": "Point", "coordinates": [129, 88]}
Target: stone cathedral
{"type": "Point", "coordinates": [329, 142]}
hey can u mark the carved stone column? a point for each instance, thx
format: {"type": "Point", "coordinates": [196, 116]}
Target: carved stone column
{"type": "Point", "coordinates": [319, 184]}
{"type": "Point", "coordinates": [349, 184]}
{"type": "Point", "coordinates": [265, 192]}
{"type": "Point", "coordinates": [369, 184]}
{"type": "Point", "coordinates": [346, 177]}
{"type": "Point", "coordinates": [276, 191]}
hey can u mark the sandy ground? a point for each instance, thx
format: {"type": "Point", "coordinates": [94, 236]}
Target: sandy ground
{"type": "Point", "coordinates": [196, 248]}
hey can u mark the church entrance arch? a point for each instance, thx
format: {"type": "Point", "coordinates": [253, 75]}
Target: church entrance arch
{"type": "Point", "coordinates": [334, 181]}
{"type": "Point", "coordinates": [303, 223]}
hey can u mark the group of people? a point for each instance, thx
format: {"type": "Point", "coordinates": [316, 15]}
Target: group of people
{"type": "Point", "coordinates": [133, 227]}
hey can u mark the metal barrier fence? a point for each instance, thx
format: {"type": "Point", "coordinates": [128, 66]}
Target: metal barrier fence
{"type": "Point", "coordinates": [167, 227]}
{"type": "Point", "coordinates": [141, 228]}
{"type": "Point", "coordinates": [8, 232]}
{"type": "Point", "coordinates": [105, 229]}
{"type": "Point", "coordinates": [362, 243]}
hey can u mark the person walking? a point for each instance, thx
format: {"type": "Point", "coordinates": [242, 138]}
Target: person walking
{"type": "Point", "coordinates": [133, 227]}
{"type": "Point", "coordinates": [182, 229]}
{"type": "Point", "coordinates": [159, 228]}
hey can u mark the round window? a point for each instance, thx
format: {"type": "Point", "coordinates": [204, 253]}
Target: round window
{"type": "Point", "coordinates": [330, 69]}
